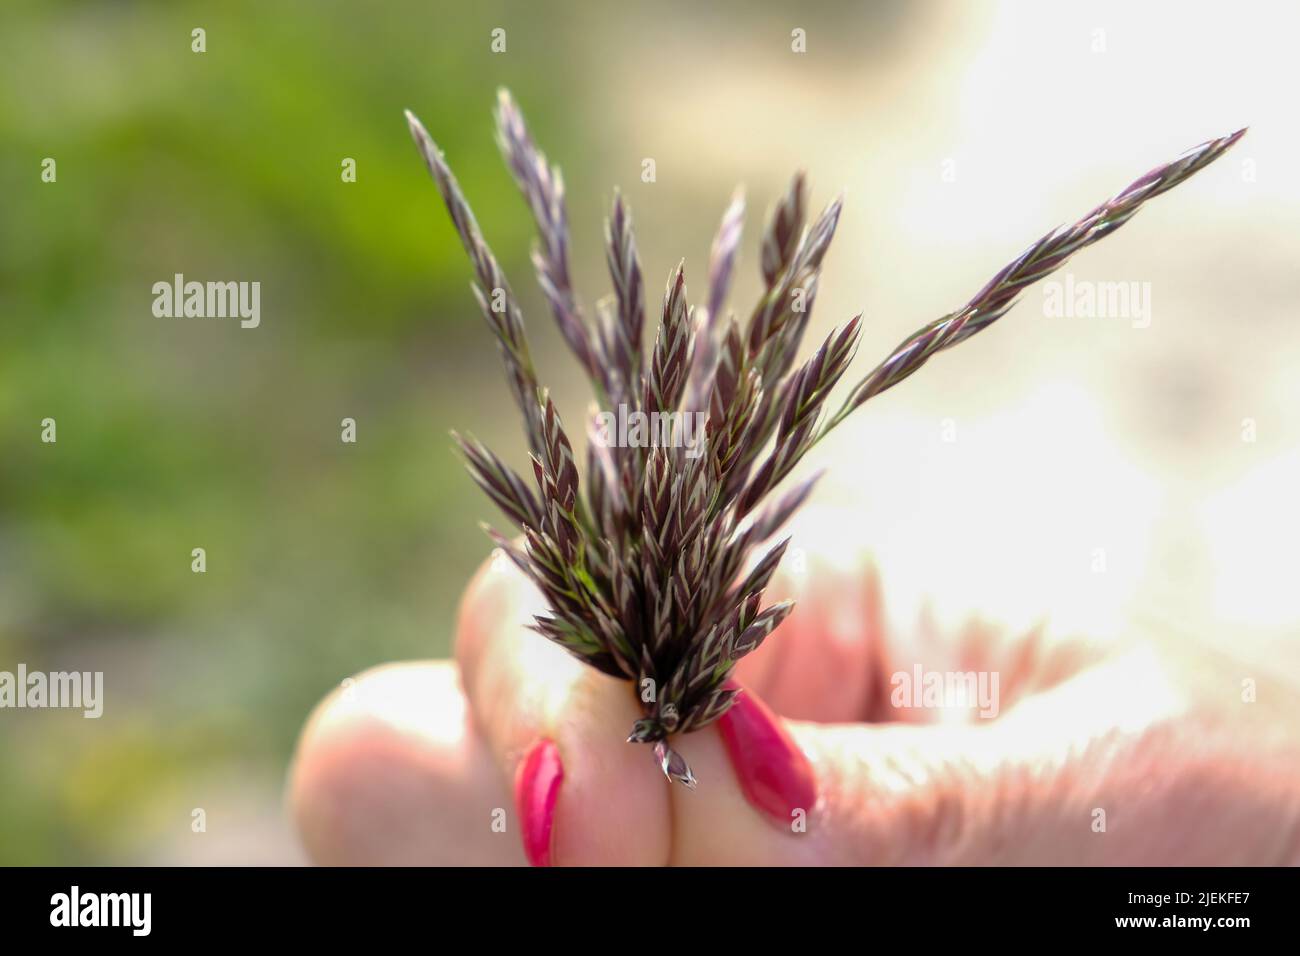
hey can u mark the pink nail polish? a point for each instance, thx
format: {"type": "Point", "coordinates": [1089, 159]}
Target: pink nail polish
{"type": "Point", "coordinates": [774, 774]}
{"type": "Point", "coordinates": [537, 785]}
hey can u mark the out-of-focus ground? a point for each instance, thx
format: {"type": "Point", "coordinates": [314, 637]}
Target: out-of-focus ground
{"type": "Point", "coordinates": [1121, 473]}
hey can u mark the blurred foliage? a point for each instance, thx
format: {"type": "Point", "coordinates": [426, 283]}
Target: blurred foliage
{"type": "Point", "coordinates": [323, 558]}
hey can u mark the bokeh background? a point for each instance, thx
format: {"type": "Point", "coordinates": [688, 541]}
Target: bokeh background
{"type": "Point", "coordinates": [960, 131]}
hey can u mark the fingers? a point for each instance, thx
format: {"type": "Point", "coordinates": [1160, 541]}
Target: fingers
{"type": "Point", "coordinates": [584, 796]}
{"type": "Point", "coordinates": [556, 729]}
{"type": "Point", "coordinates": [399, 780]}
{"type": "Point", "coordinates": [393, 769]}
{"type": "Point", "coordinates": [794, 793]}
{"type": "Point", "coordinates": [1112, 766]}
{"type": "Point", "coordinates": [390, 771]}
{"type": "Point", "coordinates": [885, 794]}
{"type": "Point", "coordinates": [1096, 762]}
{"type": "Point", "coordinates": [1109, 767]}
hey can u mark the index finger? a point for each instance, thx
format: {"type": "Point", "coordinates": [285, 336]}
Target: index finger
{"type": "Point", "coordinates": [583, 796]}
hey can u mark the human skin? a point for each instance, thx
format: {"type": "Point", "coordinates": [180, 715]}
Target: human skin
{"type": "Point", "coordinates": [513, 752]}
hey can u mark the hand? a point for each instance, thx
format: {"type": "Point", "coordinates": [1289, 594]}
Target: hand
{"type": "Point", "coordinates": [1144, 753]}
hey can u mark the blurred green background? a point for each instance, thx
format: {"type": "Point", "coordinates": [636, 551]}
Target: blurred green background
{"type": "Point", "coordinates": [324, 558]}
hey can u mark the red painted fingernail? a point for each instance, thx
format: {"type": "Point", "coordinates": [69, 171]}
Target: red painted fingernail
{"type": "Point", "coordinates": [774, 774]}
{"type": "Point", "coordinates": [537, 785]}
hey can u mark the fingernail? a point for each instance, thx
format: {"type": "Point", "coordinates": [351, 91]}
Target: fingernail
{"type": "Point", "coordinates": [537, 785]}
{"type": "Point", "coordinates": [774, 774]}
